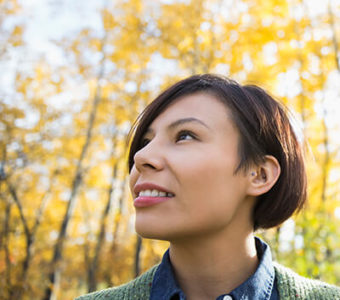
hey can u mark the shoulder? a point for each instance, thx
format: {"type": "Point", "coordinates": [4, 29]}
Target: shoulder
{"type": "Point", "coordinates": [294, 286]}
{"type": "Point", "coordinates": [138, 288]}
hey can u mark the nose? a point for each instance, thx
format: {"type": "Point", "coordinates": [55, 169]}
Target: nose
{"type": "Point", "coordinates": [149, 157]}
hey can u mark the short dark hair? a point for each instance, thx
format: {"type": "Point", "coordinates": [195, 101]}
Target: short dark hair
{"type": "Point", "coordinates": [264, 129]}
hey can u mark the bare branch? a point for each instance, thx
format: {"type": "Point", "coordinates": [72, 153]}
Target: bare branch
{"type": "Point", "coordinates": [334, 36]}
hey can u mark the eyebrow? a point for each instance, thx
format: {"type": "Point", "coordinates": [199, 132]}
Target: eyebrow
{"type": "Point", "coordinates": [181, 122]}
{"type": "Point", "coordinates": [186, 120]}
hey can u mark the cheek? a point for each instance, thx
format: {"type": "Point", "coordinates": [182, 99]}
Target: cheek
{"type": "Point", "coordinates": [210, 181]}
{"type": "Point", "coordinates": [207, 167]}
{"type": "Point", "coordinates": [204, 180]}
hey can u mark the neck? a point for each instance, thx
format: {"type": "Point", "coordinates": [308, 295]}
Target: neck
{"type": "Point", "coordinates": [206, 268]}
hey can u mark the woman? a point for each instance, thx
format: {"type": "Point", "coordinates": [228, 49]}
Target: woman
{"type": "Point", "coordinates": [210, 162]}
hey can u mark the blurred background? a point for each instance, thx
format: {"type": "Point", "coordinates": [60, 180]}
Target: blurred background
{"type": "Point", "coordinates": [73, 77]}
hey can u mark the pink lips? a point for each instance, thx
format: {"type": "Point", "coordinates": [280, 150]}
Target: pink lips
{"type": "Point", "coordinates": [146, 201]}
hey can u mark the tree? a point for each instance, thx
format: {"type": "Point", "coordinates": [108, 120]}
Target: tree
{"type": "Point", "coordinates": [65, 208]}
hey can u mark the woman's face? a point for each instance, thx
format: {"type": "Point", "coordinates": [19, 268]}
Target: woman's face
{"type": "Point", "coordinates": [183, 180]}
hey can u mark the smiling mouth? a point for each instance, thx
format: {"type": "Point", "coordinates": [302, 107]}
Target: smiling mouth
{"type": "Point", "coordinates": [154, 193]}
{"type": "Point", "coordinates": [148, 198]}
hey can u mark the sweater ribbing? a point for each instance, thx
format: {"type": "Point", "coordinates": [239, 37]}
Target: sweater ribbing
{"type": "Point", "coordinates": [294, 286]}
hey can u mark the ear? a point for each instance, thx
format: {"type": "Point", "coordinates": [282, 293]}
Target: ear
{"type": "Point", "coordinates": [263, 177]}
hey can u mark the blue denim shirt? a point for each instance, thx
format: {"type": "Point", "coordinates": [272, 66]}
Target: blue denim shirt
{"type": "Point", "coordinates": [260, 286]}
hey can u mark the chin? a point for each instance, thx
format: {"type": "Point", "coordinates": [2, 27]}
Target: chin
{"type": "Point", "coordinates": [151, 234]}
{"type": "Point", "coordinates": [165, 233]}
{"type": "Point", "coordinates": [150, 226]}
{"type": "Point", "coordinates": [153, 230]}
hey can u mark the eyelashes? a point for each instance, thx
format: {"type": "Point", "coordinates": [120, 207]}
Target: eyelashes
{"type": "Point", "coordinates": [185, 135]}
{"type": "Point", "coordinates": [182, 135]}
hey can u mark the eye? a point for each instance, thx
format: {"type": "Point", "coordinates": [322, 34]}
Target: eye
{"type": "Point", "coordinates": [185, 135]}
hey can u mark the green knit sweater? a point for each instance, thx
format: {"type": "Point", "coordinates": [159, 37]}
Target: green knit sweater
{"type": "Point", "coordinates": [290, 285]}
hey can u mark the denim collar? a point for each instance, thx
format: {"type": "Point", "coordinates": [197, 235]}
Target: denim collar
{"type": "Point", "coordinates": [260, 286]}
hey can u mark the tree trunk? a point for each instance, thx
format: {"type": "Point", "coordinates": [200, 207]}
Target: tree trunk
{"type": "Point", "coordinates": [58, 248]}
{"type": "Point", "coordinates": [17, 293]}
{"type": "Point", "coordinates": [7, 250]}
{"type": "Point", "coordinates": [137, 255]}
{"type": "Point", "coordinates": [115, 236]}
{"type": "Point", "coordinates": [94, 264]}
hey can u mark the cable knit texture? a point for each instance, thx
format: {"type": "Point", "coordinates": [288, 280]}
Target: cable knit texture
{"type": "Point", "coordinates": [294, 286]}
{"type": "Point", "coordinates": [291, 286]}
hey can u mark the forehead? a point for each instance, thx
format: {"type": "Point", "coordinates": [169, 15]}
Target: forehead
{"type": "Point", "coordinates": [201, 106]}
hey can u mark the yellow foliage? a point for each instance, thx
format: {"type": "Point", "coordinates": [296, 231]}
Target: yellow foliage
{"type": "Point", "coordinates": [148, 46]}
{"type": "Point", "coordinates": [108, 20]}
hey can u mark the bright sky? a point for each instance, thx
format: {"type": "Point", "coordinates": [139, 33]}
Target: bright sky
{"type": "Point", "coordinates": [47, 21]}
